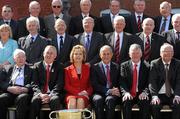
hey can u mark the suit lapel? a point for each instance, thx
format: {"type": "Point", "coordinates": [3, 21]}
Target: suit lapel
{"type": "Point", "coordinates": [101, 70]}
{"type": "Point", "coordinates": [124, 44]}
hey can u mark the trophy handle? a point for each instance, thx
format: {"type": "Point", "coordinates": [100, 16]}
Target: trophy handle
{"type": "Point", "coordinates": [90, 114]}
{"type": "Point", "coordinates": [52, 113]}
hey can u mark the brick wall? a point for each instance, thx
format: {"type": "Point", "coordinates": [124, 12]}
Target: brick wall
{"type": "Point", "coordinates": [21, 6]}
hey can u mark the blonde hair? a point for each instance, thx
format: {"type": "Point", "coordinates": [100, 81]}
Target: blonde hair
{"type": "Point", "coordinates": [6, 26]}
{"type": "Point", "coordinates": [75, 48]}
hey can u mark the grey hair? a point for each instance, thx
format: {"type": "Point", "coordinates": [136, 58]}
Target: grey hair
{"type": "Point", "coordinates": [135, 47]}
{"type": "Point", "coordinates": [165, 45]}
{"type": "Point", "coordinates": [105, 47]}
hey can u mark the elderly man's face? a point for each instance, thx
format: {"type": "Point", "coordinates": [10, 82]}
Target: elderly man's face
{"type": "Point", "coordinates": [148, 26]}
{"type": "Point", "coordinates": [7, 13]}
{"type": "Point", "coordinates": [20, 59]}
{"type": "Point", "coordinates": [49, 55]}
{"type": "Point", "coordinates": [167, 54]}
{"type": "Point", "coordinates": [88, 25]}
{"type": "Point", "coordinates": [85, 7]}
{"type": "Point", "coordinates": [106, 56]}
{"type": "Point", "coordinates": [56, 7]}
{"type": "Point", "coordinates": [165, 9]}
{"type": "Point", "coordinates": [176, 23]}
{"type": "Point", "coordinates": [135, 55]}
{"type": "Point", "coordinates": [32, 27]}
{"type": "Point", "coordinates": [119, 25]}
{"type": "Point", "coordinates": [114, 7]}
{"type": "Point", "coordinates": [60, 27]}
{"type": "Point", "coordinates": [35, 10]}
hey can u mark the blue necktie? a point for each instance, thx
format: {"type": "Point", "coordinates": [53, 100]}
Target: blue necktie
{"type": "Point", "coordinates": [87, 43]}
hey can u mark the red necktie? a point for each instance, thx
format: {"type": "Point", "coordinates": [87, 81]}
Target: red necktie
{"type": "Point", "coordinates": [134, 83]}
{"type": "Point", "coordinates": [47, 78]}
{"type": "Point", "coordinates": [117, 49]}
{"type": "Point", "coordinates": [147, 49]}
{"type": "Point", "coordinates": [139, 23]}
{"type": "Point", "coordinates": [108, 75]}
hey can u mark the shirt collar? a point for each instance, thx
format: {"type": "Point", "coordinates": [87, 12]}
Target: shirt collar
{"type": "Point", "coordinates": [83, 15]}
{"type": "Point", "coordinates": [60, 15]}
{"type": "Point", "coordinates": [138, 64]}
{"type": "Point", "coordinates": [17, 67]}
{"type": "Point", "coordinates": [141, 14]}
{"type": "Point", "coordinates": [45, 64]}
{"type": "Point", "coordinates": [90, 34]}
{"type": "Point", "coordinates": [34, 36]}
{"type": "Point", "coordinates": [104, 65]}
{"type": "Point", "coordinates": [58, 36]}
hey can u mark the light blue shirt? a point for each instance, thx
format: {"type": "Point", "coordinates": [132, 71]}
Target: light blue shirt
{"type": "Point", "coordinates": [167, 23]}
{"type": "Point", "coordinates": [6, 51]}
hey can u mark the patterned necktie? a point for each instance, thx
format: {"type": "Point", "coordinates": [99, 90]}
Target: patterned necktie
{"type": "Point", "coordinates": [147, 49]}
{"type": "Point", "coordinates": [47, 78]}
{"type": "Point", "coordinates": [134, 83]}
{"type": "Point", "coordinates": [87, 43]}
{"type": "Point", "coordinates": [117, 49]}
{"type": "Point", "coordinates": [61, 43]}
{"type": "Point", "coordinates": [139, 23]}
{"type": "Point", "coordinates": [108, 76]}
{"type": "Point", "coordinates": [15, 75]}
{"type": "Point", "coordinates": [163, 25]}
{"type": "Point", "coordinates": [167, 83]}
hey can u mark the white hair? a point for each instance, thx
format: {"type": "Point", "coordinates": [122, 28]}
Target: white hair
{"type": "Point", "coordinates": [18, 51]}
{"type": "Point", "coordinates": [33, 3]}
{"type": "Point", "coordinates": [166, 45]}
{"type": "Point", "coordinates": [175, 16]}
{"type": "Point", "coordinates": [135, 47]}
{"type": "Point", "coordinates": [117, 18]}
{"type": "Point", "coordinates": [81, 2]}
{"type": "Point", "coordinates": [33, 19]}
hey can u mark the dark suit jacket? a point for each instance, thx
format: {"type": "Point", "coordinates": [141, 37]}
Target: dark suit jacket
{"type": "Point", "coordinates": [56, 81]}
{"type": "Point", "coordinates": [170, 37]}
{"type": "Point", "coordinates": [97, 41]}
{"type": "Point", "coordinates": [14, 26]}
{"type": "Point", "coordinates": [157, 76]}
{"type": "Point", "coordinates": [99, 80]}
{"type": "Point", "coordinates": [50, 22]}
{"type": "Point", "coordinates": [128, 39]}
{"type": "Point", "coordinates": [126, 77]}
{"type": "Point", "coordinates": [63, 56]}
{"type": "Point", "coordinates": [8, 70]}
{"type": "Point", "coordinates": [76, 27]}
{"type": "Point", "coordinates": [158, 23]}
{"type": "Point", "coordinates": [106, 24]}
{"type": "Point", "coordinates": [34, 51]}
{"type": "Point", "coordinates": [22, 31]}
{"type": "Point", "coordinates": [131, 23]}
{"type": "Point", "coordinates": [156, 42]}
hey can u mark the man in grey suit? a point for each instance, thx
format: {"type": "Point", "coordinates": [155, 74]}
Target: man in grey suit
{"type": "Point", "coordinates": [120, 41]}
{"type": "Point", "coordinates": [33, 44]}
{"type": "Point", "coordinates": [91, 40]}
{"type": "Point", "coordinates": [57, 7]}
{"type": "Point", "coordinates": [173, 36]}
{"type": "Point", "coordinates": [164, 82]}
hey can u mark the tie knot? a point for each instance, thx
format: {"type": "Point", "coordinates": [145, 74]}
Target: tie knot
{"type": "Point", "coordinates": [61, 37]}
{"type": "Point", "coordinates": [87, 35]}
{"type": "Point", "coordinates": [165, 19]}
{"type": "Point", "coordinates": [57, 17]}
{"type": "Point", "coordinates": [166, 65]}
{"type": "Point", "coordinates": [147, 37]}
{"type": "Point", "coordinates": [139, 17]}
{"type": "Point", "coordinates": [178, 33]}
{"type": "Point", "coordinates": [135, 65]}
{"type": "Point", "coordinates": [107, 66]}
{"type": "Point", "coordinates": [48, 67]}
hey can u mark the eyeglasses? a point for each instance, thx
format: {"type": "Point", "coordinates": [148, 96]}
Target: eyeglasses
{"type": "Point", "coordinates": [56, 6]}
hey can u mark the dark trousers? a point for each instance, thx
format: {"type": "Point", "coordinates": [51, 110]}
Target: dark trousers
{"type": "Point", "coordinates": [21, 102]}
{"type": "Point", "coordinates": [164, 100]}
{"type": "Point", "coordinates": [36, 104]}
{"type": "Point", "coordinates": [142, 104]}
{"type": "Point", "coordinates": [107, 102]}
